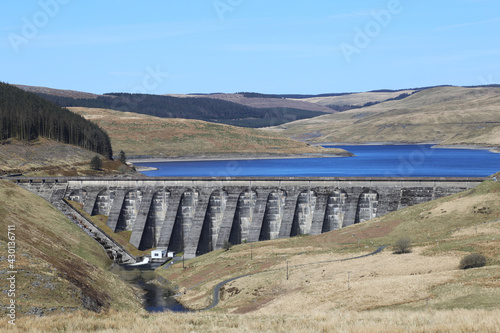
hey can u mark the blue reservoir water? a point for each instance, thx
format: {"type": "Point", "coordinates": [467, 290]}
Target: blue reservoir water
{"type": "Point", "coordinates": [370, 161]}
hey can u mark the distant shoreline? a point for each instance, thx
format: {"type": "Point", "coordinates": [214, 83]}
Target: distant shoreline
{"type": "Point", "coordinates": [239, 157]}
{"type": "Point", "coordinates": [434, 144]}
{"type": "Point", "coordinates": [473, 147]}
{"type": "Point", "coordinates": [225, 157]}
{"type": "Point", "coordinates": [376, 143]}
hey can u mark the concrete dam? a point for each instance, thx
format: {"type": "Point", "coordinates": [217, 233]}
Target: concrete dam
{"type": "Point", "coordinates": [198, 215]}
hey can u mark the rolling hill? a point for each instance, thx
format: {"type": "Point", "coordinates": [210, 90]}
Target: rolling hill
{"type": "Point", "coordinates": [219, 110]}
{"type": "Point", "coordinates": [38, 137]}
{"type": "Point", "coordinates": [261, 101]}
{"type": "Point", "coordinates": [44, 157]}
{"type": "Point", "coordinates": [445, 115]}
{"type": "Point", "coordinates": [142, 135]}
{"type": "Point", "coordinates": [356, 100]}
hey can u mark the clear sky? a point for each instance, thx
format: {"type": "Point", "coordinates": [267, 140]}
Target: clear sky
{"type": "Point", "coordinates": [268, 46]}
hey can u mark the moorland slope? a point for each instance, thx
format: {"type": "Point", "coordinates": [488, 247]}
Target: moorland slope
{"type": "Point", "coordinates": [356, 99]}
{"type": "Point", "coordinates": [445, 115]}
{"type": "Point", "coordinates": [260, 101]}
{"type": "Point", "coordinates": [218, 110]}
{"type": "Point", "coordinates": [44, 157]}
{"type": "Point", "coordinates": [142, 135]}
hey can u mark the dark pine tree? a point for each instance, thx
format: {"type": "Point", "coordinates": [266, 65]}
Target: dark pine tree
{"type": "Point", "coordinates": [26, 116]}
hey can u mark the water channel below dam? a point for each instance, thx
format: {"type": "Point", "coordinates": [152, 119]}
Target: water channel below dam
{"type": "Point", "coordinates": [157, 293]}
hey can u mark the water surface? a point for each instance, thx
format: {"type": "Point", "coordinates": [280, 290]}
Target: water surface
{"type": "Point", "coordinates": [370, 161]}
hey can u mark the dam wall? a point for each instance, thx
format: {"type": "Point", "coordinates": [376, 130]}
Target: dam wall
{"type": "Point", "coordinates": [198, 215]}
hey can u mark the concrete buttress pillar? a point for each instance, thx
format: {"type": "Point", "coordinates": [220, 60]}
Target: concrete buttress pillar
{"type": "Point", "coordinates": [168, 225]}
{"type": "Point", "coordinates": [142, 216]}
{"type": "Point", "coordinates": [258, 215]}
{"type": "Point", "coordinates": [193, 235]}
{"type": "Point", "coordinates": [116, 208]}
{"type": "Point", "coordinates": [291, 202]}
{"type": "Point", "coordinates": [319, 214]}
{"type": "Point", "coordinates": [228, 218]}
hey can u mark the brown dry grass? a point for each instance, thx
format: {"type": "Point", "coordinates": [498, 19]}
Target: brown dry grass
{"type": "Point", "coordinates": [448, 115]}
{"type": "Point", "coordinates": [138, 135]}
{"type": "Point", "coordinates": [262, 102]}
{"type": "Point", "coordinates": [375, 282]}
{"type": "Point", "coordinates": [56, 262]}
{"type": "Point", "coordinates": [43, 157]}
{"type": "Point", "coordinates": [356, 99]}
{"type": "Point", "coordinates": [451, 321]}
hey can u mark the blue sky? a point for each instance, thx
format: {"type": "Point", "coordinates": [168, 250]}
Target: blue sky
{"type": "Point", "coordinates": [166, 46]}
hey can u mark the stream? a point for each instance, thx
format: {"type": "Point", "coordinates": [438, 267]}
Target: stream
{"type": "Point", "coordinates": [158, 297]}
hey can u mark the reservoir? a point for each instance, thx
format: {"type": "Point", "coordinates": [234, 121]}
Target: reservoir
{"type": "Point", "coordinates": [370, 161]}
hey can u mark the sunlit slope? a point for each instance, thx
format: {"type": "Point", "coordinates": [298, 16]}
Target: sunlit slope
{"type": "Point", "coordinates": [443, 231]}
{"type": "Point", "coordinates": [139, 134]}
{"type": "Point", "coordinates": [44, 157]}
{"type": "Point", "coordinates": [357, 99]}
{"type": "Point", "coordinates": [264, 101]}
{"type": "Point", "coordinates": [59, 267]}
{"type": "Point", "coordinates": [448, 115]}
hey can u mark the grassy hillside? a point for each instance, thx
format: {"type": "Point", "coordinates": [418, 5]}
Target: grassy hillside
{"type": "Point", "coordinates": [138, 134]}
{"type": "Point", "coordinates": [357, 99]}
{"type": "Point", "coordinates": [59, 267]}
{"type": "Point", "coordinates": [448, 115]}
{"type": "Point", "coordinates": [56, 92]}
{"type": "Point", "coordinates": [265, 101]}
{"type": "Point", "coordinates": [202, 108]}
{"type": "Point", "coordinates": [43, 157]}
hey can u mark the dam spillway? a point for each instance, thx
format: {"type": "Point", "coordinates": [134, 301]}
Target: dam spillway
{"type": "Point", "coordinates": [198, 215]}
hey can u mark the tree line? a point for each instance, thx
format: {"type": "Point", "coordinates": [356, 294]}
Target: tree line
{"type": "Point", "coordinates": [26, 116]}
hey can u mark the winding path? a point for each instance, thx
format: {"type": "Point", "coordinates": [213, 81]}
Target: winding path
{"type": "Point", "coordinates": [217, 288]}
